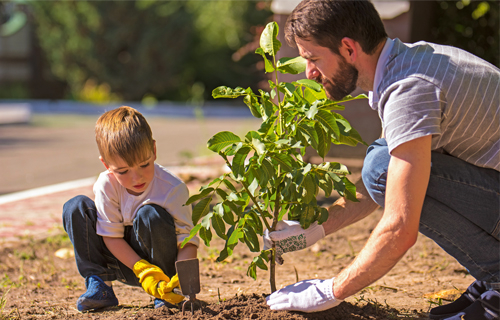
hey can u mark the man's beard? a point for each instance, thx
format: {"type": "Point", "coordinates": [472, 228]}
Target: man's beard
{"type": "Point", "coordinates": [342, 83]}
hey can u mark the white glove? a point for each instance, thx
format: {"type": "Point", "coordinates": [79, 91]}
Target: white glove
{"type": "Point", "coordinates": [289, 236]}
{"type": "Point", "coordinates": [306, 296]}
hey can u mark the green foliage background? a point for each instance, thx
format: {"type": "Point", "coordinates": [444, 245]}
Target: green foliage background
{"type": "Point", "coordinates": [160, 48]}
{"type": "Point", "coordinates": [471, 25]}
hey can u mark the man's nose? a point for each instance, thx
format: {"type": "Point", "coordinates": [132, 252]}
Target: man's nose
{"type": "Point", "coordinates": [311, 71]}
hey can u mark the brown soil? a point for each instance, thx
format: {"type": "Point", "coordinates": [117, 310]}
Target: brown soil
{"type": "Point", "coordinates": [35, 284]}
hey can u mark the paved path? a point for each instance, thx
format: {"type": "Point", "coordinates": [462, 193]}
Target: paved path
{"type": "Point", "coordinates": [56, 149]}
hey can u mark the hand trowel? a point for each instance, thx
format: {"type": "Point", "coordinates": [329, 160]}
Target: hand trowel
{"type": "Point", "coordinates": [188, 272]}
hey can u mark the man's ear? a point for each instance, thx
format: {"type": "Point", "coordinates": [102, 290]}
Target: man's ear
{"type": "Point", "coordinates": [103, 162]}
{"type": "Point", "coordinates": [349, 49]}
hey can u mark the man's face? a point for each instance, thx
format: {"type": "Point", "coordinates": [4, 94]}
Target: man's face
{"type": "Point", "coordinates": [136, 178]}
{"type": "Point", "coordinates": [337, 76]}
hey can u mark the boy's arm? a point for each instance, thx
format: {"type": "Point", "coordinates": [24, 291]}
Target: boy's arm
{"type": "Point", "coordinates": [189, 251]}
{"type": "Point", "coordinates": [122, 251]}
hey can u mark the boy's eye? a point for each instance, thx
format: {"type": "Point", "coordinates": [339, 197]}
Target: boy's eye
{"type": "Point", "coordinates": [122, 172]}
{"type": "Point", "coordinates": [145, 165]}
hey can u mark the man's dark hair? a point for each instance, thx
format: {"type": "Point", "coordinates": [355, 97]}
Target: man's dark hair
{"type": "Point", "coordinates": [328, 21]}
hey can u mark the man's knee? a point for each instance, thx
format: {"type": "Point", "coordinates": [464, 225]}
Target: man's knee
{"type": "Point", "coordinates": [374, 172]}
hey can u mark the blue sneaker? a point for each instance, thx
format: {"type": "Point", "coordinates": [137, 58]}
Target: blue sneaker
{"type": "Point", "coordinates": [98, 295]}
{"type": "Point", "coordinates": [162, 303]}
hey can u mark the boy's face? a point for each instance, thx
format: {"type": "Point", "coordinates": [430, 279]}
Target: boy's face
{"type": "Point", "coordinates": [136, 178]}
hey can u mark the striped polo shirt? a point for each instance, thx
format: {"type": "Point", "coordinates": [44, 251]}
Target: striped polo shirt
{"type": "Point", "coordinates": [429, 89]}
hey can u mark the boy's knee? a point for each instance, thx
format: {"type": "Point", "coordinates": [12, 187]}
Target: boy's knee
{"type": "Point", "coordinates": [76, 205]}
{"type": "Point", "coordinates": [154, 214]}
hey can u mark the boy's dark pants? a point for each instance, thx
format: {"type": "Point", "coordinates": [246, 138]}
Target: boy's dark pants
{"type": "Point", "coordinates": [152, 237]}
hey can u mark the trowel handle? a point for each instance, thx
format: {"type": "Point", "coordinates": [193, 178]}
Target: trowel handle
{"type": "Point", "coordinates": [179, 292]}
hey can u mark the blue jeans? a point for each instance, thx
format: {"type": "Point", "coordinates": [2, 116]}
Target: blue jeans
{"type": "Point", "coordinates": [461, 210]}
{"type": "Point", "coordinates": [152, 237]}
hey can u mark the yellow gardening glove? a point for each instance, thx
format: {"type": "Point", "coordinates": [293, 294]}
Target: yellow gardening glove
{"type": "Point", "coordinates": [149, 276]}
{"type": "Point", "coordinates": [165, 289]}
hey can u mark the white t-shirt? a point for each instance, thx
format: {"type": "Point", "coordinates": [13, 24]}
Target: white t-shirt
{"type": "Point", "coordinates": [116, 208]}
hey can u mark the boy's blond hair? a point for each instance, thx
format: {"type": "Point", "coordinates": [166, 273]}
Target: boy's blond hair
{"type": "Point", "coordinates": [124, 132]}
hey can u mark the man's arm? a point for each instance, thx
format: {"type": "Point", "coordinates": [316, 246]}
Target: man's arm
{"type": "Point", "coordinates": [344, 212]}
{"type": "Point", "coordinates": [397, 231]}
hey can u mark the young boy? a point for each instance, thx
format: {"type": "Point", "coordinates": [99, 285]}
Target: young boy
{"type": "Point", "coordinates": [133, 231]}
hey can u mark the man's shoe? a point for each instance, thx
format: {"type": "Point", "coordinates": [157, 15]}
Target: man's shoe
{"type": "Point", "coordinates": [487, 307]}
{"type": "Point", "coordinates": [162, 303]}
{"type": "Point", "coordinates": [473, 292]}
{"type": "Point", "coordinates": [98, 295]}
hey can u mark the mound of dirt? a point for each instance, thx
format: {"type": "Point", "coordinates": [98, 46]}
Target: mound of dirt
{"type": "Point", "coordinates": [254, 307]}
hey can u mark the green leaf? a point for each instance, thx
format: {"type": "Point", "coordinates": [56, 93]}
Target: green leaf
{"type": "Point", "coordinates": [330, 105]}
{"type": "Point", "coordinates": [226, 92]}
{"type": "Point", "coordinates": [238, 165]}
{"type": "Point", "coordinates": [311, 95]}
{"type": "Point", "coordinates": [206, 236]}
{"type": "Point", "coordinates": [307, 216]}
{"type": "Point", "coordinates": [200, 195]}
{"type": "Point", "coordinates": [350, 98]}
{"type": "Point", "coordinates": [324, 141]}
{"type": "Point", "coordinates": [253, 186]}
{"type": "Point", "coordinates": [350, 190]}
{"type": "Point", "coordinates": [267, 64]}
{"type": "Point", "coordinates": [228, 212]}
{"type": "Point", "coordinates": [291, 65]}
{"type": "Point", "coordinates": [313, 110]}
{"type": "Point", "coordinates": [252, 271]}
{"type": "Point", "coordinates": [328, 122]}
{"type": "Point", "coordinates": [323, 216]}
{"type": "Point", "coordinates": [309, 135]}
{"type": "Point", "coordinates": [201, 209]}
{"type": "Point", "coordinates": [287, 88]}
{"type": "Point", "coordinates": [193, 233]}
{"type": "Point", "coordinates": [311, 84]}
{"type": "Point", "coordinates": [254, 220]}
{"type": "Point", "coordinates": [219, 226]}
{"type": "Point", "coordinates": [310, 189]}
{"type": "Point", "coordinates": [260, 147]}
{"type": "Point", "coordinates": [222, 194]}
{"type": "Point", "coordinates": [229, 185]}
{"type": "Point", "coordinates": [253, 104]}
{"type": "Point", "coordinates": [205, 222]}
{"type": "Point", "coordinates": [268, 39]}
{"type": "Point", "coordinates": [284, 160]}
{"type": "Point", "coordinates": [251, 239]}
{"type": "Point", "coordinates": [221, 140]}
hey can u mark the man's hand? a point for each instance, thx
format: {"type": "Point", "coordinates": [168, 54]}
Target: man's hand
{"type": "Point", "coordinates": [155, 282]}
{"type": "Point", "coordinates": [306, 296]}
{"type": "Point", "coordinates": [289, 236]}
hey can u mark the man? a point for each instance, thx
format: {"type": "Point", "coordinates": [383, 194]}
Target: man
{"type": "Point", "coordinates": [436, 171]}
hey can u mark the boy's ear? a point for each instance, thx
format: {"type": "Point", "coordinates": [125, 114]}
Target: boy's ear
{"type": "Point", "coordinates": [103, 162]}
{"type": "Point", "coordinates": [154, 147]}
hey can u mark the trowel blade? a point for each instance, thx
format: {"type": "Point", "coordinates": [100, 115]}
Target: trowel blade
{"type": "Point", "coordinates": [188, 272]}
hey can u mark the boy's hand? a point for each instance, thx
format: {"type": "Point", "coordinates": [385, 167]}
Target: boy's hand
{"type": "Point", "coordinates": [155, 282]}
{"type": "Point", "coordinates": [165, 290]}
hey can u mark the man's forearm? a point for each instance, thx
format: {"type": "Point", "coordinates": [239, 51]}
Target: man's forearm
{"type": "Point", "coordinates": [397, 231]}
{"type": "Point", "coordinates": [345, 212]}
